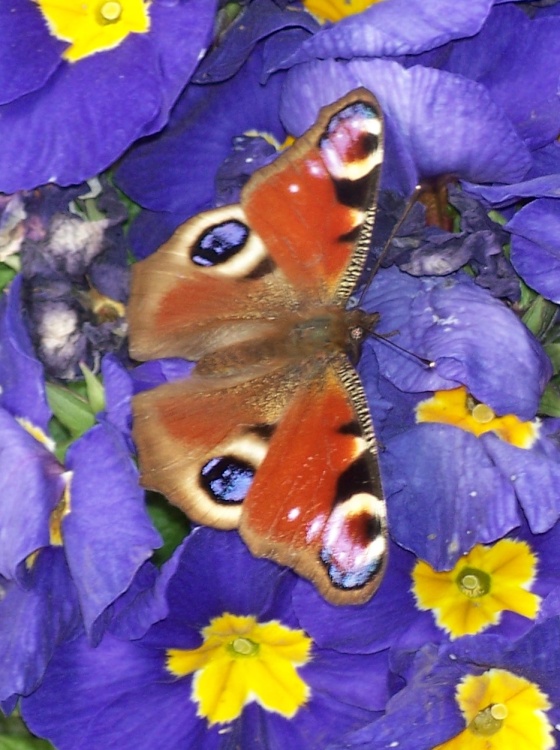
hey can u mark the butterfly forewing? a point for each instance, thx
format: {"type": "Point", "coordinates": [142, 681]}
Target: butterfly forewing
{"type": "Point", "coordinates": [272, 433]}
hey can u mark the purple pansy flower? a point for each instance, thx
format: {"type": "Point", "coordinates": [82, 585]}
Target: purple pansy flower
{"type": "Point", "coordinates": [112, 73]}
{"type": "Point", "coordinates": [194, 672]}
{"type": "Point", "coordinates": [440, 507]}
{"type": "Point", "coordinates": [452, 690]}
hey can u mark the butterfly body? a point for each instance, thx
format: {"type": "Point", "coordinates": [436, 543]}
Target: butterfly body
{"type": "Point", "coordinates": [271, 434]}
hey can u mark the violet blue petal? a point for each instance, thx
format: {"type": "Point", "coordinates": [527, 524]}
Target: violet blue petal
{"type": "Point", "coordinates": [135, 85]}
{"type": "Point", "coordinates": [534, 246]}
{"type": "Point", "coordinates": [397, 28]}
{"type": "Point", "coordinates": [159, 371]}
{"type": "Point", "coordinates": [257, 22]}
{"type": "Point", "coordinates": [175, 172]}
{"type": "Point", "coordinates": [59, 711]}
{"type": "Point", "coordinates": [474, 339]}
{"type": "Point", "coordinates": [143, 603]}
{"type": "Point", "coordinates": [497, 58]}
{"type": "Point", "coordinates": [447, 505]}
{"type": "Point", "coordinates": [21, 374]}
{"type": "Point", "coordinates": [28, 53]}
{"type": "Point", "coordinates": [34, 621]}
{"type": "Point", "coordinates": [370, 627]}
{"type": "Point", "coordinates": [231, 562]}
{"type": "Point", "coordinates": [31, 485]}
{"type": "Point", "coordinates": [547, 186]}
{"type": "Point", "coordinates": [537, 467]}
{"type": "Point", "coordinates": [422, 715]}
{"type": "Point", "coordinates": [117, 383]}
{"type": "Point", "coordinates": [108, 534]}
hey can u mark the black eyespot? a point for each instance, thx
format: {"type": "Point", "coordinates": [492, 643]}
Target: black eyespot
{"type": "Point", "coordinates": [227, 479]}
{"type": "Point", "coordinates": [219, 243]}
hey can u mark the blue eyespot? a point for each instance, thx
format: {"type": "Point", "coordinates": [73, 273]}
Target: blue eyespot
{"type": "Point", "coordinates": [219, 243]}
{"type": "Point", "coordinates": [227, 479]}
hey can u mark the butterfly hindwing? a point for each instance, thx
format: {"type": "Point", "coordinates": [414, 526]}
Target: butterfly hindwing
{"type": "Point", "coordinates": [272, 434]}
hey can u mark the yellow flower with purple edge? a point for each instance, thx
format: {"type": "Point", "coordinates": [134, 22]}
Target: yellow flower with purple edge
{"type": "Point", "coordinates": [458, 408]}
{"type": "Point", "coordinates": [94, 25]}
{"type": "Point", "coordinates": [242, 660]}
{"type": "Point", "coordinates": [502, 711]}
{"type": "Point", "coordinates": [485, 582]}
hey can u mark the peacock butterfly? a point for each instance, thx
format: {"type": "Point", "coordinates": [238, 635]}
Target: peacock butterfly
{"type": "Point", "coordinates": [271, 434]}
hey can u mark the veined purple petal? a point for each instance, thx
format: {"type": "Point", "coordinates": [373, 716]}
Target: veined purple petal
{"type": "Point", "coordinates": [34, 621]}
{"type": "Point", "coordinates": [28, 53]}
{"type": "Point", "coordinates": [107, 534]}
{"type": "Point", "coordinates": [535, 252]}
{"type": "Point", "coordinates": [21, 374]}
{"type": "Point", "coordinates": [448, 504]}
{"type": "Point", "coordinates": [399, 27]}
{"type": "Point", "coordinates": [475, 340]}
{"type": "Point", "coordinates": [31, 485]}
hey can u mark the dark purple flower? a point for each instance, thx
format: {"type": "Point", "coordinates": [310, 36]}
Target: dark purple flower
{"type": "Point", "coordinates": [186, 673]}
{"type": "Point", "coordinates": [452, 690]}
{"type": "Point", "coordinates": [61, 86]}
{"type": "Point", "coordinates": [440, 506]}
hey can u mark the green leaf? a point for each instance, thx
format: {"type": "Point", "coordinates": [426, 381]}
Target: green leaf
{"type": "Point", "coordinates": [7, 273]}
{"type": "Point", "coordinates": [94, 389]}
{"type": "Point", "coordinates": [553, 351]}
{"type": "Point", "coordinates": [171, 523]}
{"type": "Point", "coordinates": [71, 411]}
{"type": "Point", "coordinates": [539, 316]}
{"type": "Point", "coordinates": [550, 401]}
{"type": "Point", "coordinates": [23, 743]}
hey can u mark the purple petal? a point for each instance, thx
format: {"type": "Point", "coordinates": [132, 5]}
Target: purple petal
{"type": "Point", "coordinates": [30, 487]}
{"type": "Point", "coordinates": [21, 374]}
{"type": "Point", "coordinates": [474, 339]}
{"type": "Point", "coordinates": [175, 172]}
{"type": "Point", "coordinates": [447, 505]}
{"type": "Point", "coordinates": [527, 470]}
{"type": "Point", "coordinates": [370, 627]}
{"type": "Point", "coordinates": [547, 186]}
{"type": "Point", "coordinates": [28, 53]}
{"type": "Point", "coordinates": [257, 22]}
{"type": "Point", "coordinates": [34, 621]}
{"type": "Point", "coordinates": [497, 57]}
{"type": "Point", "coordinates": [62, 712]}
{"type": "Point", "coordinates": [397, 28]}
{"type": "Point", "coordinates": [108, 534]}
{"type": "Point", "coordinates": [534, 246]}
{"type": "Point", "coordinates": [126, 92]}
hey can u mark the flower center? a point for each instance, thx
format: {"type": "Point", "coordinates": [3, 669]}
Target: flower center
{"type": "Point", "coordinates": [489, 721]}
{"type": "Point", "coordinates": [473, 582]}
{"type": "Point", "coordinates": [458, 408]}
{"type": "Point", "coordinates": [242, 660]}
{"type": "Point", "coordinates": [244, 647]}
{"type": "Point", "coordinates": [110, 12]}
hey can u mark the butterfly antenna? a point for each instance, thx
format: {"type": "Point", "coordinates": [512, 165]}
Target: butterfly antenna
{"type": "Point", "coordinates": [385, 338]}
{"type": "Point", "coordinates": [407, 209]}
